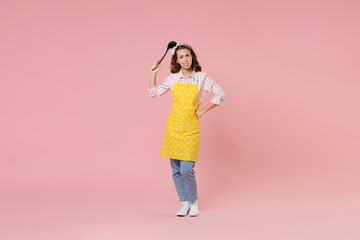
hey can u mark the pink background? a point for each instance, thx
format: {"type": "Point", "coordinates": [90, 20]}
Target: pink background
{"type": "Point", "coordinates": [80, 138]}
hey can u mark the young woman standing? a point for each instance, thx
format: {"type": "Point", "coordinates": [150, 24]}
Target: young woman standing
{"type": "Point", "coordinates": [182, 131]}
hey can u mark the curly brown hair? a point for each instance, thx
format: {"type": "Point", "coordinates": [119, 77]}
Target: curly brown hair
{"type": "Point", "coordinates": [175, 67]}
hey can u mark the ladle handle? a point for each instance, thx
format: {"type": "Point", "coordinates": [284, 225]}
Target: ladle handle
{"type": "Point", "coordinates": [158, 62]}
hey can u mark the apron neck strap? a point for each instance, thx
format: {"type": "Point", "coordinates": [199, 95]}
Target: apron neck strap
{"type": "Point", "coordinates": [177, 77]}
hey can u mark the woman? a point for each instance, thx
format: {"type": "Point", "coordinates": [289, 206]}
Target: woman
{"type": "Point", "coordinates": [182, 132]}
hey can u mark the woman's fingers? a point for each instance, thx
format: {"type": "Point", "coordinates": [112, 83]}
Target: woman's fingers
{"type": "Point", "coordinates": [198, 113]}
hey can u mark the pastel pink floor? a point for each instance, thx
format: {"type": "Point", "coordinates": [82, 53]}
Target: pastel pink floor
{"type": "Point", "coordinates": [265, 217]}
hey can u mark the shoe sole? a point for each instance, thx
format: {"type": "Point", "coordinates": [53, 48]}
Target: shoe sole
{"type": "Point", "coordinates": [183, 215]}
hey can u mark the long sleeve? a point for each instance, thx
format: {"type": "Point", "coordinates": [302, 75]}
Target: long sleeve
{"type": "Point", "coordinates": [215, 89]}
{"type": "Point", "coordinates": [159, 90]}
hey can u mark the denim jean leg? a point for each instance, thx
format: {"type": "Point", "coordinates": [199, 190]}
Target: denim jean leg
{"type": "Point", "coordinates": [188, 175]}
{"type": "Point", "coordinates": [178, 179]}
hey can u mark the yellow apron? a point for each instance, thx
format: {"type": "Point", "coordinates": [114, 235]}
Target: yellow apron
{"type": "Point", "coordinates": [182, 132]}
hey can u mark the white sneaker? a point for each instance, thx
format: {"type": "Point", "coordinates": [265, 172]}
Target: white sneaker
{"type": "Point", "coordinates": [194, 209]}
{"type": "Point", "coordinates": [184, 209]}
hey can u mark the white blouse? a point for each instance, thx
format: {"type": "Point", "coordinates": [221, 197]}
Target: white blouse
{"type": "Point", "coordinates": [205, 83]}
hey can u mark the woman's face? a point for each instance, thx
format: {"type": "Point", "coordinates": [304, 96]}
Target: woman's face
{"type": "Point", "coordinates": [184, 58]}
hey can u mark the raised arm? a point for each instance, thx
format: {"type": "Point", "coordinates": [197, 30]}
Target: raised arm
{"type": "Point", "coordinates": [156, 91]}
{"type": "Point", "coordinates": [153, 76]}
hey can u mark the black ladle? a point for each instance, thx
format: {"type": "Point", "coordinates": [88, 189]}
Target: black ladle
{"type": "Point", "coordinates": [170, 45]}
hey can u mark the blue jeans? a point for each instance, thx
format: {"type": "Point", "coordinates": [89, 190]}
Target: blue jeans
{"type": "Point", "coordinates": [183, 175]}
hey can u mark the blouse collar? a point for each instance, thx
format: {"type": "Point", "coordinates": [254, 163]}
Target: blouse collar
{"type": "Point", "coordinates": [182, 75]}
